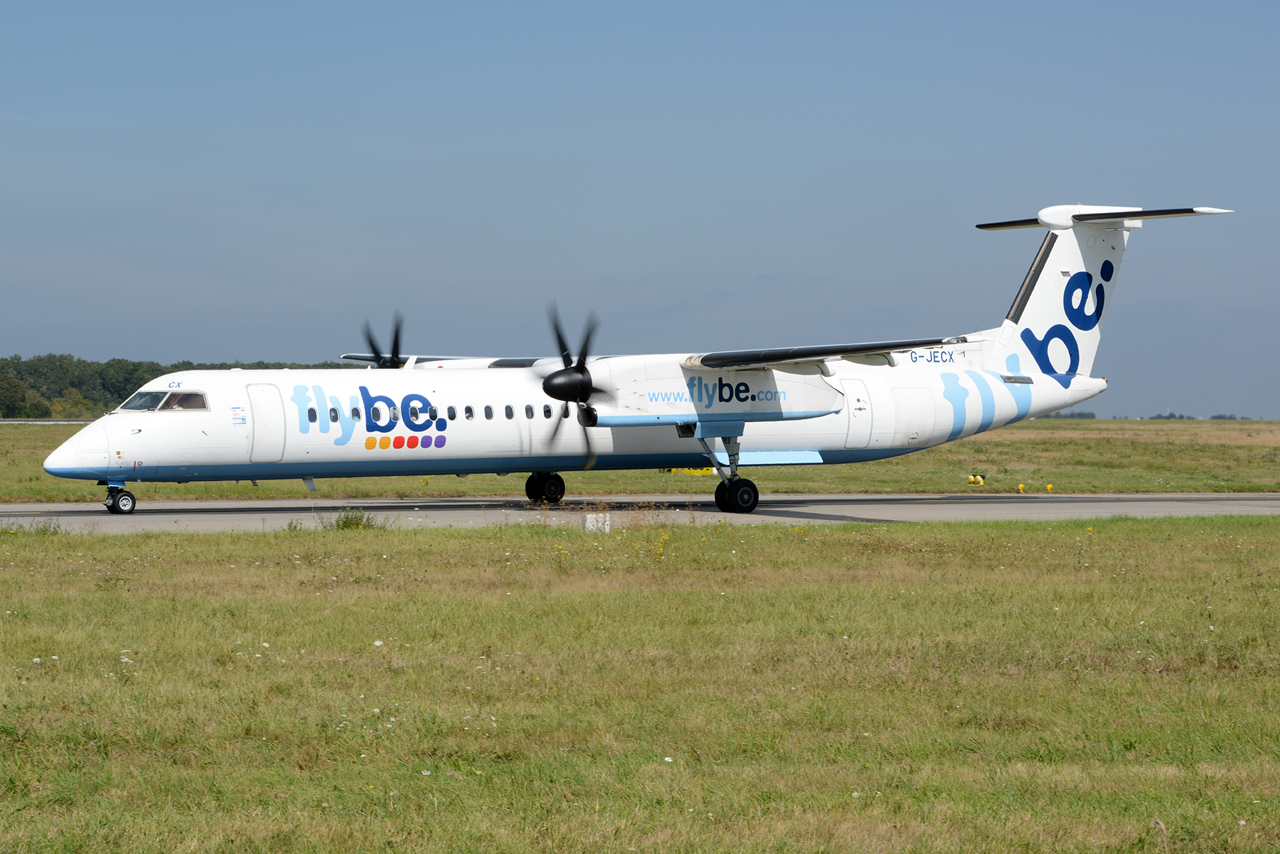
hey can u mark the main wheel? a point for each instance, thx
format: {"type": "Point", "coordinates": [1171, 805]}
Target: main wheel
{"type": "Point", "coordinates": [553, 488]}
{"type": "Point", "coordinates": [742, 496]}
{"type": "Point", "coordinates": [110, 503]}
{"type": "Point", "coordinates": [722, 503]}
{"type": "Point", "coordinates": [533, 486]}
{"type": "Point", "coordinates": [545, 487]}
{"type": "Point", "coordinates": [125, 502]}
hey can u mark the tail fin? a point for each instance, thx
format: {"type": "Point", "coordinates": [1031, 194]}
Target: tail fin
{"type": "Point", "coordinates": [1055, 322]}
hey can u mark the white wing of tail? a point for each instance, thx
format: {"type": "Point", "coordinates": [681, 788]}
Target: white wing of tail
{"type": "Point", "coordinates": [1066, 216]}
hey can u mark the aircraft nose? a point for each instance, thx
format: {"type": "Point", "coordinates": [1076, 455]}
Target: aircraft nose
{"type": "Point", "coordinates": [64, 459]}
{"type": "Point", "coordinates": [68, 460]}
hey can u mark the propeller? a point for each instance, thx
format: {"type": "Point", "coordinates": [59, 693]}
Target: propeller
{"type": "Point", "coordinates": [572, 383]}
{"type": "Point", "coordinates": [394, 359]}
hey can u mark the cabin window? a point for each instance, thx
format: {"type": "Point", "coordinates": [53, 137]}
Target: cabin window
{"type": "Point", "coordinates": [333, 415]}
{"type": "Point", "coordinates": [469, 413]}
{"type": "Point", "coordinates": [413, 414]}
{"type": "Point", "coordinates": [488, 413]}
{"type": "Point", "coordinates": [184, 400]}
{"type": "Point", "coordinates": [453, 413]}
{"type": "Point", "coordinates": [546, 410]}
{"type": "Point", "coordinates": [433, 413]}
{"type": "Point", "coordinates": [355, 414]}
{"type": "Point", "coordinates": [511, 413]}
{"type": "Point", "coordinates": [395, 414]}
{"type": "Point", "coordinates": [376, 414]}
{"type": "Point", "coordinates": [528, 411]}
{"type": "Point", "coordinates": [144, 400]}
{"type": "Point", "coordinates": [311, 414]}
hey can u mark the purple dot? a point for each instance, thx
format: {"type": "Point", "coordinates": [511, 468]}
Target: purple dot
{"type": "Point", "coordinates": [439, 441]}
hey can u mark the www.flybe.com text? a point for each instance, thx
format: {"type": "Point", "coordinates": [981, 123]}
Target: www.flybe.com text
{"type": "Point", "coordinates": [708, 394]}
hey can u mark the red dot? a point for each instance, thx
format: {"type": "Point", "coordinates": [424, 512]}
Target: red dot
{"type": "Point", "coordinates": [413, 442]}
{"type": "Point", "coordinates": [398, 442]}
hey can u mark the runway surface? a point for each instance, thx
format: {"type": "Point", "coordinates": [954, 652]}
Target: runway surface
{"type": "Point", "coordinates": [628, 510]}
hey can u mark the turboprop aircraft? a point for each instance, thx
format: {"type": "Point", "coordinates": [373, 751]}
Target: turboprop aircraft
{"type": "Point", "coordinates": [809, 405]}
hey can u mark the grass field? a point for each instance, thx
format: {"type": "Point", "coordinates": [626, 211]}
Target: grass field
{"type": "Point", "coordinates": [1072, 455]}
{"type": "Point", "coordinates": [1102, 686]}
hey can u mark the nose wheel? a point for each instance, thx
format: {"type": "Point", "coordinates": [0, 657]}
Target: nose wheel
{"type": "Point", "coordinates": [119, 501]}
{"type": "Point", "coordinates": [544, 487]}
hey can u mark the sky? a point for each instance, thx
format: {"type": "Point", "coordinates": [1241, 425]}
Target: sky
{"type": "Point", "coordinates": [222, 182]}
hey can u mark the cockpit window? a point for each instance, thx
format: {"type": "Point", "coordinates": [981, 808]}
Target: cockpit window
{"type": "Point", "coordinates": [185, 400]}
{"type": "Point", "coordinates": [144, 400]}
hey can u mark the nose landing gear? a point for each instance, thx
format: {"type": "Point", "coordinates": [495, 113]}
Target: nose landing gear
{"type": "Point", "coordinates": [119, 500]}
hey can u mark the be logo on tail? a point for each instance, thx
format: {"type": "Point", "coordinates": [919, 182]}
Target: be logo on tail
{"type": "Point", "coordinates": [1074, 298]}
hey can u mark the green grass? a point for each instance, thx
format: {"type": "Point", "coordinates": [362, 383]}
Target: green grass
{"type": "Point", "coordinates": [995, 687]}
{"type": "Point", "coordinates": [1073, 456]}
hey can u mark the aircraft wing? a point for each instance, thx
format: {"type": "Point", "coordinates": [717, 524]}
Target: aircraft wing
{"type": "Point", "coordinates": [819, 353]}
{"type": "Point", "coordinates": [369, 357]}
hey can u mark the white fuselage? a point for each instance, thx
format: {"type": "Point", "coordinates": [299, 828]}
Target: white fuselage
{"type": "Point", "coordinates": [258, 425]}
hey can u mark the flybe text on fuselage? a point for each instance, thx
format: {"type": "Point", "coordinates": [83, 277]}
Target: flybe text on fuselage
{"type": "Point", "coordinates": [709, 393]}
{"type": "Point", "coordinates": [328, 413]}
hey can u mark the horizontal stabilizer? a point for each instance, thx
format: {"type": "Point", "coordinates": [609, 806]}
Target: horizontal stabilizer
{"type": "Point", "coordinates": [1066, 216]}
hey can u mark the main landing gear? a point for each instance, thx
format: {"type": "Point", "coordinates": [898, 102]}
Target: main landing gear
{"type": "Point", "coordinates": [733, 494]}
{"type": "Point", "coordinates": [119, 500]}
{"type": "Point", "coordinates": [544, 487]}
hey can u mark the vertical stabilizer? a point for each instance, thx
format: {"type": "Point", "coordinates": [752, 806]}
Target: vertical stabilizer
{"type": "Point", "coordinates": [1055, 322]}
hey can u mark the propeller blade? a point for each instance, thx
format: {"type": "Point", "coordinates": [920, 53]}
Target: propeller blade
{"type": "Point", "coordinates": [564, 413]}
{"type": "Point", "coordinates": [395, 341]}
{"type": "Point", "coordinates": [373, 343]}
{"type": "Point", "coordinates": [592, 323]}
{"type": "Point", "coordinates": [565, 353]}
{"type": "Point", "coordinates": [591, 455]}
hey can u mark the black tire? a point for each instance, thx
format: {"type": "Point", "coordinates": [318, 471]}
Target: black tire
{"type": "Point", "coordinates": [742, 496]}
{"type": "Point", "coordinates": [125, 502]}
{"type": "Point", "coordinates": [553, 488]}
{"type": "Point", "coordinates": [722, 503]}
{"type": "Point", "coordinates": [110, 503]}
{"type": "Point", "coordinates": [533, 486]}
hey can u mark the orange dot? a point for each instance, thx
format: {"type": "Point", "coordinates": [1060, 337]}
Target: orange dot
{"type": "Point", "coordinates": [370, 443]}
{"type": "Point", "coordinates": [384, 442]}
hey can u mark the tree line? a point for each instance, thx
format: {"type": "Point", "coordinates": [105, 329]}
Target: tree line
{"type": "Point", "coordinates": [64, 386]}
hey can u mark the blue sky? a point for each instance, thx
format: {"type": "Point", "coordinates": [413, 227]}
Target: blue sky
{"type": "Point", "coordinates": [230, 181]}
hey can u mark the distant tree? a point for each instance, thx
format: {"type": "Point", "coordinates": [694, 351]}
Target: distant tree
{"type": "Point", "coordinates": [13, 397]}
{"type": "Point", "coordinates": [1172, 416]}
{"type": "Point", "coordinates": [105, 385]}
{"type": "Point", "coordinates": [1085, 415]}
{"type": "Point", "coordinates": [39, 408]}
{"type": "Point", "coordinates": [1229, 418]}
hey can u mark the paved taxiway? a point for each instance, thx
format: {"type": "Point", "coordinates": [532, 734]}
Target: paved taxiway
{"type": "Point", "coordinates": [620, 511]}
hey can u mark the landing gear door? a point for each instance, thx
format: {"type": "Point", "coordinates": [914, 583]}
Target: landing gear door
{"type": "Point", "coordinates": [268, 423]}
{"type": "Point", "coordinates": [857, 407]}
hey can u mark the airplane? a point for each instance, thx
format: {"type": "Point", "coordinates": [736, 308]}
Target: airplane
{"type": "Point", "coordinates": [807, 405]}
